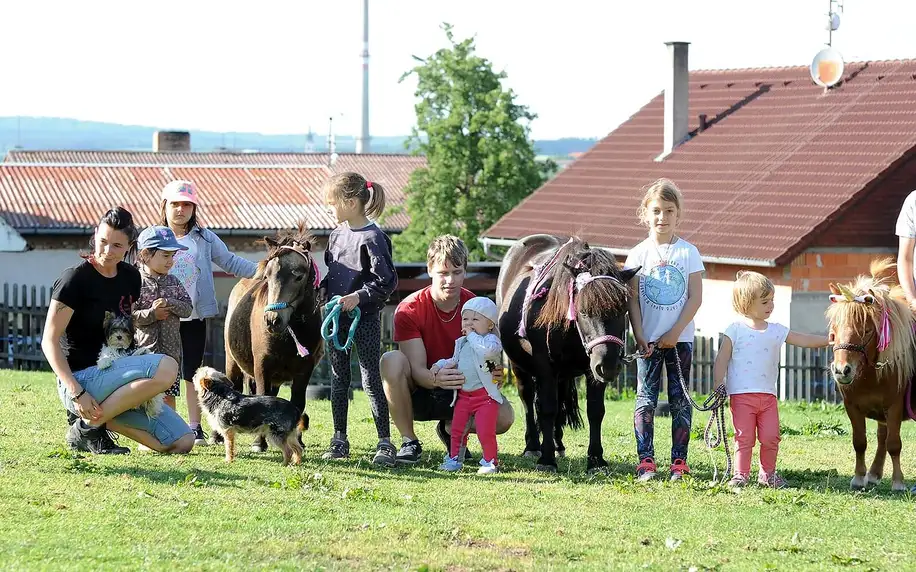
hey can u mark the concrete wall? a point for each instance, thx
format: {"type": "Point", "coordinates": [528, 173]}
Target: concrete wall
{"type": "Point", "coordinates": [716, 312]}
{"type": "Point", "coordinates": [808, 312]}
{"type": "Point", "coordinates": [36, 267]}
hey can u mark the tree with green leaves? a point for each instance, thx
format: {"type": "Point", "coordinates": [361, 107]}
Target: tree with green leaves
{"type": "Point", "coordinates": [480, 159]}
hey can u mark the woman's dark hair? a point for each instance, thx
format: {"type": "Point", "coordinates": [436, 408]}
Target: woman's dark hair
{"type": "Point", "coordinates": [118, 218]}
{"type": "Point", "coordinates": [164, 221]}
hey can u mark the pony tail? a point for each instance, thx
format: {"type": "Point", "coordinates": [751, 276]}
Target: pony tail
{"type": "Point", "coordinates": [375, 205]}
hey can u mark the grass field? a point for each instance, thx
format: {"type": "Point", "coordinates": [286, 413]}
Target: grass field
{"type": "Point", "coordinates": [195, 512]}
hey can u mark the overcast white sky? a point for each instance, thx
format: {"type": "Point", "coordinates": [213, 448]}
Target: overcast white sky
{"type": "Point", "coordinates": [281, 66]}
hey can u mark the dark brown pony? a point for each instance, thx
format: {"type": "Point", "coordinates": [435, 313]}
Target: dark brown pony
{"type": "Point", "coordinates": [561, 342]}
{"type": "Point", "coordinates": [871, 328]}
{"type": "Point", "coordinates": [273, 319]}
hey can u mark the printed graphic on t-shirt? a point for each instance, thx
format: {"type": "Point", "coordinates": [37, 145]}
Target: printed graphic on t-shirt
{"type": "Point", "coordinates": [186, 270]}
{"type": "Point", "coordinates": [664, 286]}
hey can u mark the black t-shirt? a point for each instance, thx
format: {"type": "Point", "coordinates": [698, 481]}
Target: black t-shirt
{"type": "Point", "coordinates": [90, 295]}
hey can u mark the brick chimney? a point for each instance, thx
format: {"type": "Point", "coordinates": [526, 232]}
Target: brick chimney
{"type": "Point", "coordinates": [171, 141]}
{"type": "Point", "coordinates": [676, 98]}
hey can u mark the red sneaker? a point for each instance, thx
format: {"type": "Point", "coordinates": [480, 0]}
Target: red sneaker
{"type": "Point", "coordinates": [646, 469]}
{"type": "Point", "coordinates": [679, 468]}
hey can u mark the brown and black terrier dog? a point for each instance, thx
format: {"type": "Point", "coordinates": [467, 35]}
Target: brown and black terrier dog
{"type": "Point", "coordinates": [231, 412]}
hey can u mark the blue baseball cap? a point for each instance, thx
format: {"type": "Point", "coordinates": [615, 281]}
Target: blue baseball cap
{"type": "Point", "coordinates": [160, 238]}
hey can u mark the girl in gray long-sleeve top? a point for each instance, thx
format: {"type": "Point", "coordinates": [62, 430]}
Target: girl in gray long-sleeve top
{"type": "Point", "coordinates": [194, 268]}
{"type": "Point", "coordinates": [361, 272]}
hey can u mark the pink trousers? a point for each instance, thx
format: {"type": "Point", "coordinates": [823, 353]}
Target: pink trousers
{"type": "Point", "coordinates": [756, 416]}
{"type": "Point", "coordinates": [485, 411]}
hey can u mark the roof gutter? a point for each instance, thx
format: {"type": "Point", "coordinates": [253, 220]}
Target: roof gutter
{"type": "Point", "coordinates": [488, 243]}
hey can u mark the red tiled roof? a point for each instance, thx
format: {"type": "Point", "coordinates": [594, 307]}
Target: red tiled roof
{"type": "Point", "coordinates": [238, 197]}
{"type": "Point", "coordinates": [780, 159]}
{"type": "Point", "coordinates": [252, 191]}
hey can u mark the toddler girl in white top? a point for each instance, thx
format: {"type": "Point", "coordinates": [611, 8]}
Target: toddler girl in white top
{"type": "Point", "coordinates": [748, 364]}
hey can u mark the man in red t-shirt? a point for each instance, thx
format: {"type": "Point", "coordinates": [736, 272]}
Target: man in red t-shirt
{"type": "Point", "coordinates": [426, 325]}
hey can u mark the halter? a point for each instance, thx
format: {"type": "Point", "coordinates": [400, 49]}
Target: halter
{"type": "Point", "coordinates": [883, 331]}
{"type": "Point", "coordinates": [581, 280]}
{"type": "Point", "coordinates": [316, 282]}
{"type": "Point", "coordinates": [301, 350]}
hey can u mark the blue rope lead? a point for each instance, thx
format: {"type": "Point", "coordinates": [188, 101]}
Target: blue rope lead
{"type": "Point", "coordinates": [331, 324]}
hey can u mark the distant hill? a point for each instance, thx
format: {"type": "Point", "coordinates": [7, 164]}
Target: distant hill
{"type": "Point", "coordinates": [61, 133]}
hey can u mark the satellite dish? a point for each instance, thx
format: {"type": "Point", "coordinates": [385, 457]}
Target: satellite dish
{"type": "Point", "coordinates": [827, 67]}
{"type": "Point", "coordinates": [833, 22]}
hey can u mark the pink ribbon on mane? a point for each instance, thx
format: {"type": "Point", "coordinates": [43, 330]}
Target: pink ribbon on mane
{"type": "Point", "coordinates": [884, 332]}
{"type": "Point", "coordinates": [538, 276]}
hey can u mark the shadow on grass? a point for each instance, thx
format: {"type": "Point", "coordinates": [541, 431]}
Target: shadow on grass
{"type": "Point", "coordinates": [515, 467]}
{"type": "Point", "coordinates": [831, 481]}
{"type": "Point", "coordinates": [190, 475]}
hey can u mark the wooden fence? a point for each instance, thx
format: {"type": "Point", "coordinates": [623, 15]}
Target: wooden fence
{"type": "Point", "coordinates": [803, 372]}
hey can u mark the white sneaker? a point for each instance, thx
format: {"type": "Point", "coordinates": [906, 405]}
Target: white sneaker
{"type": "Point", "coordinates": [451, 464]}
{"type": "Point", "coordinates": [144, 448]}
{"type": "Point", "coordinates": [487, 467]}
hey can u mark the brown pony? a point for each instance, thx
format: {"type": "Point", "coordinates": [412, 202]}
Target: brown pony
{"type": "Point", "coordinates": [871, 328]}
{"type": "Point", "coordinates": [273, 326]}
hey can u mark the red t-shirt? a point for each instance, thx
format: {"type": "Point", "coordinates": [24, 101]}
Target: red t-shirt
{"type": "Point", "coordinates": [417, 316]}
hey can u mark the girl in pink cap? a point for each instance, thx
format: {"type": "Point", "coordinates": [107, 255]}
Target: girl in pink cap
{"type": "Point", "coordinates": [180, 211]}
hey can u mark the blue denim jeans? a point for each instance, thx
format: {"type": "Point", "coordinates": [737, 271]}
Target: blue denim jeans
{"type": "Point", "coordinates": [167, 427]}
{"type": "Point", "coordinates": [649, 377]}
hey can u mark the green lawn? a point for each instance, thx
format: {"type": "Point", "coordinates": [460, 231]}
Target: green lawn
{"type": "Point", "coordinates": [145, 511]}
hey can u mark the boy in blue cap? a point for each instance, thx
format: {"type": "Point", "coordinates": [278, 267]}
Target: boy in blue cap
{"type": "Point", "coordinates": [163, 300]}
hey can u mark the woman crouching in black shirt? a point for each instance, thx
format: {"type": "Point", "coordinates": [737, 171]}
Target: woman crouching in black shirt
{"type": "Point", "coordinates": [107, 399]}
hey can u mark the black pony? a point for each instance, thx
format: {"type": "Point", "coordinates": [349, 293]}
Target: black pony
{"type": "Point", "coordinates": [563, 313]}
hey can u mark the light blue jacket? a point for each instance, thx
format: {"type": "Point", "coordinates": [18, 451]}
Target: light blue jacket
{"type": "Point", "coordinates": [210, 249]}
{"type": "Point", "coordinates": [471, 355]}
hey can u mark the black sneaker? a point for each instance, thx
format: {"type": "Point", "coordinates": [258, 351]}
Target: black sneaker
{"type": "Point", "coordinates": [338, 449]}
{"type": "Point", "coordinates": [446, 439]}
{"type": "Point", "coordinates": [410, 453]}
{"type": "Point", "coordinates": [200, 438]}
{"type": "Point", "coordinates": [385, 455]}
{"type": "Point", "coordinates": [96, 440]}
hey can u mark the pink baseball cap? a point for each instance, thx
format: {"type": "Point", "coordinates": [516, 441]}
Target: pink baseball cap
{"type": "Point", "coordinates": [180, 191]}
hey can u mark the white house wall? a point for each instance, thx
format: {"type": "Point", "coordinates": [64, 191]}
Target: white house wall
{"type": "Point", "coordinates": [716, 313]}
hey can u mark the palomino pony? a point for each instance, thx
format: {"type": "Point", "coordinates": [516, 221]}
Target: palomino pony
{"type": "Point", "coordinates": [563, 313]}
{"type": "Point", "coordinates": [871, 328]}
{"type": "Point", "coordinates": [273, 326]}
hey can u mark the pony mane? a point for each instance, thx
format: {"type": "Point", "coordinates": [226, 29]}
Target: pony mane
{"type": "Point", "coordinates": [888, 295]}
{"type": "Point", "coordinates": [300, 238]}
{"type": "Point", "coordinates": [598, 298]}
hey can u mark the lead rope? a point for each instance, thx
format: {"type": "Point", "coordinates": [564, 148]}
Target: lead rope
{"type": "Point", "coordinates": [715, 402]}
{"type": "Point", "coordinates": [331, 324]}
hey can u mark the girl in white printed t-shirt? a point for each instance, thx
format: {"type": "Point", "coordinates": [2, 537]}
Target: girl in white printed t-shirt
{"type": "Point", "coordinates": [748, 365]}
{"type": "Point", "coordinates": [665, 296]}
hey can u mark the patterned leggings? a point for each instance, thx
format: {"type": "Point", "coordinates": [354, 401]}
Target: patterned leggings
{"type": "Point", "coordinates": [649, 377]}
{"type": "Point", "coordinates": [368, 344]}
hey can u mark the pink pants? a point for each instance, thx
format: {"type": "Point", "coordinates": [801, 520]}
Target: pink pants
{"type": "Point", "coordinates": [756, 416]}
{"type": "Point", "coordinates": [485, 411]}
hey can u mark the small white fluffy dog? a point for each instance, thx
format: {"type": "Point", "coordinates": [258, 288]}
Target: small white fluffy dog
{"type": "Point", "coordinates": [119, 337]}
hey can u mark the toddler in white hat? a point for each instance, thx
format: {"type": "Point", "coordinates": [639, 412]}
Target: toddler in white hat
{"type": "Point", "coordinates": [477, 354]}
